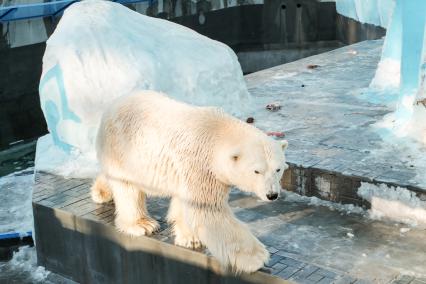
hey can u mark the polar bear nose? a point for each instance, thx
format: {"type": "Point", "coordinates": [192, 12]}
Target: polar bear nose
{"type": "Point", "coordinates": [272, 196]}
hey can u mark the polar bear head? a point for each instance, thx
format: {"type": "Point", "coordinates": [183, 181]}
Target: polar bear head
{"type": "Point", "coordinates": [253, 163]}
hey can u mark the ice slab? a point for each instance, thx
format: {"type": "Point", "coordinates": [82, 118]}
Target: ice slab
{"type": "Point", "coordinates": [101, 50]}
{"type": "Point", "coordinates": [402, 70]}
{"type": "Point", "coordinates": [376, 12]}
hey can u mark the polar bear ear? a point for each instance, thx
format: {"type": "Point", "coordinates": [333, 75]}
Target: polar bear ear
{"type": "Point", "coordinates": [284, 144]}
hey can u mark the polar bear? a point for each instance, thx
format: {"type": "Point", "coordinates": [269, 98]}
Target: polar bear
{"type": "Point", "coordinates": [149, 144]}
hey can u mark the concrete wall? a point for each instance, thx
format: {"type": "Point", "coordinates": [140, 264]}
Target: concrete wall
{"type": "Point", "coordinates": [20, 112]}
{"type": "Point", "coordinates": [282, 22]}
{"type": "Point", "coordinates": [91, 252]}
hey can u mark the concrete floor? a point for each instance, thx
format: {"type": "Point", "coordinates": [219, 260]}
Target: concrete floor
{"type": "Point", "coordinates": [329, 115]}
{"type": "Point", "coordinates": [310, 241]}
{"type": "Point", "coordinates": [348, 244]}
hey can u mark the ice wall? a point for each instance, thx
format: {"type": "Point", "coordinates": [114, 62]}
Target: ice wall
{"type": "Point", "coordinates": [402, 67]}
{"type": "Point", "coordinates": [376, 12]}
{"type": "Point", "coordinates": [101, 50]}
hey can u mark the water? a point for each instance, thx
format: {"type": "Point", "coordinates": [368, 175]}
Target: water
{"type": "Point", "coordinates": [22, 268]}
{"type": "Point", "coordinates": [16, 181]}
{"type": "Point", "coordinates": [18, 156]}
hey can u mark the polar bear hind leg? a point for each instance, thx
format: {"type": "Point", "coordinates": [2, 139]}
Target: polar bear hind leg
{"type": "Point", "coordinates": [184, 235]}
{"type": "Point", "coordinates": [100, 191]}
{"type": "Point", "coordinates": [131, 214]}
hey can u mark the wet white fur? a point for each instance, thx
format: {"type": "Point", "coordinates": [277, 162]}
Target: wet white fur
{"type": "Point", "coordinates": [149, 144]}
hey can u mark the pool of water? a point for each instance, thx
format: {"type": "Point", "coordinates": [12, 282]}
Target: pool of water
{"type": "Point", "coordinates": [17, 156]}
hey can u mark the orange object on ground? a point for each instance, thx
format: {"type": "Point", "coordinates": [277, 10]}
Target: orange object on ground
{"type": "Point", "coordinates": [278, 134]}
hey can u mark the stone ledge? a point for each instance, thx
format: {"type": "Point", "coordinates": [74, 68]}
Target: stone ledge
{"type": "Point", "coordinates": [76, 238]}
{"type": "Point", "coordinates": [335, 186]}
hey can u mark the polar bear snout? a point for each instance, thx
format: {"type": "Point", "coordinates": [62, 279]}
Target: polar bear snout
{"type": "Point", "coordinates": [272, 195]}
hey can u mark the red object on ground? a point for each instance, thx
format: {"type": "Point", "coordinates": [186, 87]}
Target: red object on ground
{"type": "Point", "coordinates": [276, 134]}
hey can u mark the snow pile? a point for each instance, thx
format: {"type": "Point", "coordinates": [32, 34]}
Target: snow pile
{"type": "Point", "coordinates": [387, 74]}
{"type": "Point", "coordinates": [74, 163]}
{"type": "Point", "coordinates": [23, 268]}
{"type": "Point", "coordinates": [101, 50]}
{"type": "Point", "coordinates": [315, 201]}
{"type": "Point", "coordinates": [16, 214]}
{"type": "Point", "coordinates": [394, 203]}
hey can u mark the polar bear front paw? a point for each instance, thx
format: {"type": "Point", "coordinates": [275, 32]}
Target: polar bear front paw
{"type": "Point", "coordinates": [142, 227]}
{"type": "Point", "coordinates": [250, 259]}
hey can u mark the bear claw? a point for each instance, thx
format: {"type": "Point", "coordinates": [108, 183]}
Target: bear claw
{"type": "Point", "coordinates": [142, 227]}
{"type": "Point", "coordinates": [191, 243]}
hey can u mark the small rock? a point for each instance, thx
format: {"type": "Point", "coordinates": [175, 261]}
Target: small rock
{"type": "Point", "coordinates": [250, 120]}
{"type": "Point", "coordinates": [273, 106]}
{"type": "Point", "coordinates": [312, 66]}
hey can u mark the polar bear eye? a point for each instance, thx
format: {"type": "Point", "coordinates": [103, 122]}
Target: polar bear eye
{"type": "Point", "coordinates": [278, 170]}
{"type": "Point", "coordinates": [256, 172]}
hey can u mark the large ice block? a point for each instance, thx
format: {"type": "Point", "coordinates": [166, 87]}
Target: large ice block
{"type": "Point", "coordinates": [101, 50]}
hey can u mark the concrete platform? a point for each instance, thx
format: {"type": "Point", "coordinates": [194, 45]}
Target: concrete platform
{"type": "Point", "coordinates": [309, 244]}
{"type": "Point", "coordinates": [328, 116]}
{"type": "Point", "coordinates": [76, 238]}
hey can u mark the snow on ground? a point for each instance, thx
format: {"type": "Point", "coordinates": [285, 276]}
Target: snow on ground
{"type": "Point", "coordinates": [102, 50]}
{"type": "Point", "coordinates": [333, 206]}
{"type": "Point", "coordinates": [394, 203]}
{"type": "Point", "coordinates": [52, 159]}
{"type": "Point", "coordinates": [406, 152]}
{"type": "Point", "coordinates": [22, 268]}
{"type": "Point", "coordinates": [15, 207]}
